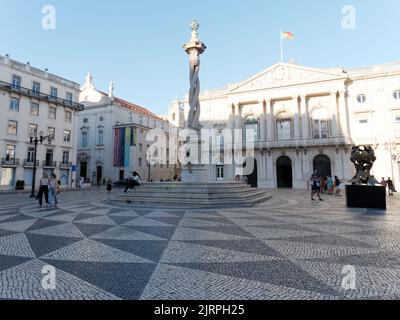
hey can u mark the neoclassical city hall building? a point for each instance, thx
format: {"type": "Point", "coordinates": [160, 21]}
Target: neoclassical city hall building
{"type": "Point", "coordinates": [308, 119]}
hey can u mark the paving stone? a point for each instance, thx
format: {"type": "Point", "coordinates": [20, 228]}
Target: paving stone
{"type": "Point", "coordinates": [288, 248]}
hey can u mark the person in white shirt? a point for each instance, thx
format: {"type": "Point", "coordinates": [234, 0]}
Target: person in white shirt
{"type": "Point", "coordinates": [43, 190]}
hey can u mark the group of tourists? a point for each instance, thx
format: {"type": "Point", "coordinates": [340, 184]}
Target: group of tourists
{"type": "Point", "coordinates": [50, 187]}
{"type": "Point", "coordinates": [389, 185]}
{"type": "Point", "coordinates": [332, 186]}
{"type": "Point", "coordinates": [323, 185]}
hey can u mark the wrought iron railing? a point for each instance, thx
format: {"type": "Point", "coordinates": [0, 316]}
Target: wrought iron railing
{"type": "Point", "coordinates": [29, 163]}
{"type": "Point", "coordinates": [41, 96]}
{"type": "Point", "coordinates": [9, 162]}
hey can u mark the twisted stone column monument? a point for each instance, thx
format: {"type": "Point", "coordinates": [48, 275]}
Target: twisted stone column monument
{"type": "Point", "coordinates": [194, 48]}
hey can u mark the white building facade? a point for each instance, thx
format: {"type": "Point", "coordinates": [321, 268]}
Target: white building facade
{"type": "Point", "coordinates": [33, 101]}
{"type": "Point", "coordinates": [308, 119]}
{"type": "Point", "coordinates": [112, 138]}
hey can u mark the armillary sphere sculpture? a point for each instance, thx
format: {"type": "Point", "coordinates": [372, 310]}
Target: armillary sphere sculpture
{"type": "Point", "coordinates": [363, 158]}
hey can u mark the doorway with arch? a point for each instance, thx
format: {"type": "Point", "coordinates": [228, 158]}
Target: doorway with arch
{"type": "Point", "coordinates": [322, 164]}
{"type": "Point", "coordinates": [284, 172]}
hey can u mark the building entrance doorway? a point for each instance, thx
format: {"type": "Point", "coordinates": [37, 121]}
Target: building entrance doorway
{"type": "Point", "coordinates": [284, 172]}
{"type": "Point", "coordinates": [99, 173]}
{"type": "Point", "coordinates": [252, 179]}
{"type": "Point", "coordinates": [220, 172]}
{"type": "Point", "coordinates": [322, 164]}
{"type": "Point", "coordinates": [83, 170]}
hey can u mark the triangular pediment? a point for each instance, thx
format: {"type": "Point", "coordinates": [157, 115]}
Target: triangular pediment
{"type": "Point", "coordinates": [284, 74]}
{"type": "Point", "coordinates": [90, 96]}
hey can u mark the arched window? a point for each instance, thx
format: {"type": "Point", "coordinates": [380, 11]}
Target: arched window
{"type": "Point", "coordinates": [396, 94]}
{"type": "Point", "coordinates": [251, 123]}
{"type": "Point", "coordinates": [284, 126]}
{"type": "Point", "coordinates": [320, 123]}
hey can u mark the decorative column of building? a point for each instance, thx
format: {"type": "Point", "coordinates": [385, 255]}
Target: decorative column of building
{"type": "Point", "coordinates": [338, 162]}
{"type": "Point", "coordinates": [344, 125]}
{"type": "Point", "coordinates": [261, 107]}
{"type": "Point", "coordinates": [231, 127]}
{"type": "Point", "coordinates": [238, 116]}
{"type": "Point", "coordinates": [231, 122]}
{"type": "Point", "coordinates": [335, 120]}
{"type": "Point", "coordinates": [296, 118]}
{"type": "Point", "coordinates": [304, 117]}
{"type": "Point", "coordinates": [270, 120]}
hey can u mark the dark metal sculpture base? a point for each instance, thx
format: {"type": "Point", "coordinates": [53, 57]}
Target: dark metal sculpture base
{"type": "Point", "coordinates": [366, 197]}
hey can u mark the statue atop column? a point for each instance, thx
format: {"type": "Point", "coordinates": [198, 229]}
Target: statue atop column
{"type": "Point", "coordinates": [194, 48]}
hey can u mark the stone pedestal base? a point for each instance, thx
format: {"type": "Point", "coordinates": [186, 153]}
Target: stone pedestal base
{"type": "Point", "coordinates": [366, 197]}
{"type": "Point", "coordinates": [198, 174]}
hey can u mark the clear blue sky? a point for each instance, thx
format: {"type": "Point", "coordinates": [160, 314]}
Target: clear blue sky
{"type": "Point", "coordinates": [138, 44]}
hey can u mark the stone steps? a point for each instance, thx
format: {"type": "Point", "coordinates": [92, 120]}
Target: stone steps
{"type": "Point", "coordinates": [189, 195]}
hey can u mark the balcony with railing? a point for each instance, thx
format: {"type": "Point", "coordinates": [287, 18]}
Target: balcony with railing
{"type": "Point", "coordinates": [65, 165]}
{"type": "Point", "coordinates": [29, 163]}
{"type": "Point", "coordinates": [9, 162]}
{"type": "Point", "coordinates": [9, 87]}
{"type": "Point", "coordinates": [49, 164]}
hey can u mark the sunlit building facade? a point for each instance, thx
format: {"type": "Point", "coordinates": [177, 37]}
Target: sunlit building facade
{"type": "Point", "coordinates": [307, 119]}
{"type": "Point", "coordinates": [34, 101]}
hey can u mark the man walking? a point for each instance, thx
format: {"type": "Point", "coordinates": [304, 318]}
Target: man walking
{"type": "Point", "coordinates": [390, 186]}
{"type": "Point", "coordinates": [315, 182]}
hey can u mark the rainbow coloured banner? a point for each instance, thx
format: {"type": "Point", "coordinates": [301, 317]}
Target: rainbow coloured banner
{"type": "Point", "coordinates": [124, 139]}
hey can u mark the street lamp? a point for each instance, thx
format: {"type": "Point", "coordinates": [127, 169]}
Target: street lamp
{"type": "Point", "coordinates": [34, 139]}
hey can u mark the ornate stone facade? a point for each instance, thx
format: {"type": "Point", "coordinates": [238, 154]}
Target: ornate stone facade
{"type": "Point", "coordinates": [307, 118]}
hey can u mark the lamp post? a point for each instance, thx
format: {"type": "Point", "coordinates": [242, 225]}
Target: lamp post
{"type": "Point", "coordinates": [34, 139]}
{"type": "Point", "coordinates": [149, 172]}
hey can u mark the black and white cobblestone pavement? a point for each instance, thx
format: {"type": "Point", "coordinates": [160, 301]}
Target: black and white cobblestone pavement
{"type": "Point", "coordinates": [287, 248]}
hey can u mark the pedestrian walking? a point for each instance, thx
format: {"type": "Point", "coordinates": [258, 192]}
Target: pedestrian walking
{"type": "Point", "coordinates": [390, 186]}
{"type": "Point", "coordinates": [53, 190]}
{"type": "Point", "coordinates": [322, 185]}
{"type": "Point", "coordinates": [58, 186]}
{"type": "Point", "coordinates": [109, 185]}
{"type": "Point", "coordinates": [337, 186]}
{"type": "Point", "coordinates": [80, 184]}
{"type": "Point", "coordinates": [329, 185]}
{"type": "Point", "coordinates": [315, 182]}
{"type": "Point", "coordinates": [383, 183]}
{"type": "Point", "coordinates": [43, 190]}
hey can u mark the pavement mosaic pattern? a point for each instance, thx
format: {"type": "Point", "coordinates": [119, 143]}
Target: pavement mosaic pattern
{"type": "Point", "coordinates": [287, 248]}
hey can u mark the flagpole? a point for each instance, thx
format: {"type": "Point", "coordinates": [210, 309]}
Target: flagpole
{"type": "Point", "coordinates": [281, 46]}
